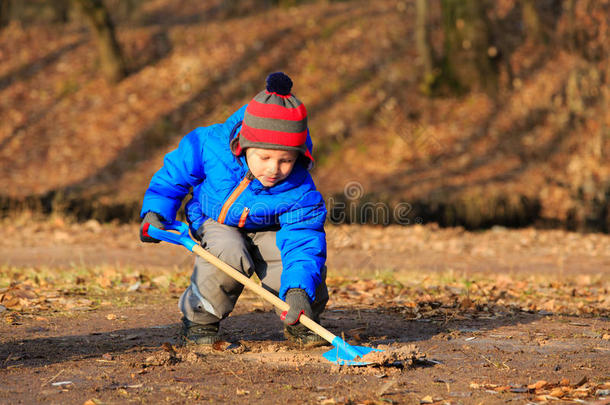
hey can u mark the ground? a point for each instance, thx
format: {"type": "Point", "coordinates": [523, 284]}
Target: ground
{"type": "Point", "coordinates": [90, 316]}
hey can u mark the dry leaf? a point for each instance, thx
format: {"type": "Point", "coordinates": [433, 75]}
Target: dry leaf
{"type": "Point", "coordinates": [11, 302]}
{"type": "Point", "coordinates": [426, 400]}
{"type": "Point", "coordinates": [556, 392]}
{"type": "Point", "coordinates": [221, 345]}
{"type": "Point", "coordinates": [355, 333]}
{"type": "Point", "coordinates": [537, 385]}
{"type": "Point", "coordinates": [466, 303]}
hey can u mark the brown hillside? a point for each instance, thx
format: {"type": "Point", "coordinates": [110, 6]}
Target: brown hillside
{"type": "Point", "coordinates": [539, 153]}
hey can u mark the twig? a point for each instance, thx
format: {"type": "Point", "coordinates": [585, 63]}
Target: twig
{"type": "Point", "coordinates": [52, 378]}
{"type": "Point", "coordinates": [232, 372]}
{"type": "Point", "coordinates": [7, 359]}
{"type": "Point", "coordinates": [496, 365]}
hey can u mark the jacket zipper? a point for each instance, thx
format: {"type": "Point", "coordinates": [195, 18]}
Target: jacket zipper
{"type": "Point", "coordinates": [243, 184]}
{"type": "Point", "coordinates": [242, 219]}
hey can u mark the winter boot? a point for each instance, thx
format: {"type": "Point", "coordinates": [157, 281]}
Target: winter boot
{"type": "Point", "coordinates": [300, 335]}
{"type": "Point", "coordinates": [195, 333]}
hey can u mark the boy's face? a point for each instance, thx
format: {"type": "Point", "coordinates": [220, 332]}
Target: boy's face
{"type": "Point", "coordinates": [270, 166]}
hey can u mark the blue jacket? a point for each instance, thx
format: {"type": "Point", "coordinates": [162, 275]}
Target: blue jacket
{"type": "Point", "coordinates": [223, 191]}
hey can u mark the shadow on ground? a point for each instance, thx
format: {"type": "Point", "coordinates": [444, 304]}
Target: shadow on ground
{"type": "Point", "coordinates": [361, 327]}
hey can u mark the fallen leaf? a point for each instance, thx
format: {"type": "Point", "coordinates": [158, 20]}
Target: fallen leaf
{"type": "Point", "coordinates": [537, 385]}
{"type": "Point", "coordinates": [221, 345]}
{"type": "Point", "coordinates": [111, 317]}
{"type": "Point", "coordinates": [557, 392]}
{"type": "Point", "coordinates": [426, 400]}
{"type": "Point", "coordinates": [12, 302]}
{"type": "Point", "coordinates": [355, 333]}
{"type": "Point", "coordinates": [466, 303]}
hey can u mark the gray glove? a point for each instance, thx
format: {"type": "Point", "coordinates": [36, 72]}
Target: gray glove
{"type": "Point", "coordinates": [155, 220]}
{"type": "Point", "coordinates": [299, 303]}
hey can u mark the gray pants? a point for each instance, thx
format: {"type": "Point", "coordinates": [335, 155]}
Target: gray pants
{"type": "Point", "coordinates": [212, 294]}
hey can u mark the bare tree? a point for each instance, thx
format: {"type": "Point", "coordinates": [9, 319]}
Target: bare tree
{"type": "Point", "coordinates": [112, 62]}
{"type": "Point", "coordinates": [424, 46]}
{"type": "Point", "coordinates": [62, 10]}
{"type": "Point", "coordinates": [531, 21]}
{"type": "Point", "coordinates": [469, 59]}
{"type": "Point", "coordinates": [5, 11]}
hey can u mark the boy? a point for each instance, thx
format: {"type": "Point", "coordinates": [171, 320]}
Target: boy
{"type": "Point", "coordinates": [254, 205]}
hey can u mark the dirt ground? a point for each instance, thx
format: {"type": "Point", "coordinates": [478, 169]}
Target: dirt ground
{"type": "Point", "coordinates": [502, 316]}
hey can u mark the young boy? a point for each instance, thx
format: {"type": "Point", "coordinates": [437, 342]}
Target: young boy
{"type": "Point", "coordinates": [254, 205]}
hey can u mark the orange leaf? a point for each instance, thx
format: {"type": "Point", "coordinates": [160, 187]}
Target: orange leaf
{"type": "Point", "coordinates": [537, 385]}
{"type": "Point", "coordinates": [557, 392]}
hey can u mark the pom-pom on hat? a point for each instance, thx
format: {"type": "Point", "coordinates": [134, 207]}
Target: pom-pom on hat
{"type": "Point", "coordinates": [274, 119]}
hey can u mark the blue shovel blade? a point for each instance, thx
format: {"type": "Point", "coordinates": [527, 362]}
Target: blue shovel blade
{"type": "Point", "coordinates": [346, 354]}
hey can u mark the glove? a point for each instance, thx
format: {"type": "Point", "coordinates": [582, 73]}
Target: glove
{"type": "Point", "coordinates": [299, 303]}
{"type": "Point", "coordinates": [155, 220]}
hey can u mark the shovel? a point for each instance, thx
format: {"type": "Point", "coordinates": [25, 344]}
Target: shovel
{"type": "Point", "coordinates": [342, 353]}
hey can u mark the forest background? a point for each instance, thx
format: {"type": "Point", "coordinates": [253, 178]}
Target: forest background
{"type": "Point", "coordinates": [462, 113]}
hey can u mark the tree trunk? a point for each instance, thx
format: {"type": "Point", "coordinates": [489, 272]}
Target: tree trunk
{"type": "Point", "coordinates": [62, 10]}
{"type": "Point", "coordinates": [424, 46]}
{"type": "Point", "coordinates": [5, 12]}
{"type": "Point", "coordinates": [470, 58]}
{"type": "Point", "coordinates": [531, 21]}
{"type": "Point", "coordinates": [112, 62]}
{"type": "Point", "coordinates": [570, 38]}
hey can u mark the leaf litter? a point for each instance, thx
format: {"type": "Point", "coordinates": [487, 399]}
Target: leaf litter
{"type": "Point", "coordinates": [545, 391]}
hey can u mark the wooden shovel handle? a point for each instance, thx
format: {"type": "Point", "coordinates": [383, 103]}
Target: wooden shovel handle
{"type": "Point", "coordinates": [260, 291]}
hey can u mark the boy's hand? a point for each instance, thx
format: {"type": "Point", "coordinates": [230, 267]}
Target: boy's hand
{"type": "Point", "coordinates": [298, 300]}
{"type": "Point", "coordinates": [155, 220]}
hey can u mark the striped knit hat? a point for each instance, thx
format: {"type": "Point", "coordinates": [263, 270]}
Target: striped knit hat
{"type": "Point", "coordinates": [274, 119]}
